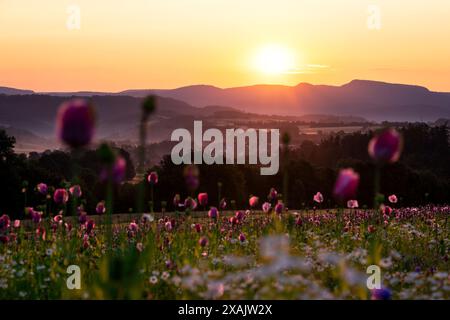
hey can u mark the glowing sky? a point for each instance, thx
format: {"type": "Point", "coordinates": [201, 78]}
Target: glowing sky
{"type": "Point", "coordinates": [170, 43]}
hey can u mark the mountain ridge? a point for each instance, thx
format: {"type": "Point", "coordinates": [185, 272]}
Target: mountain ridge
{"type": "Point", "coordinates": [374, 100]}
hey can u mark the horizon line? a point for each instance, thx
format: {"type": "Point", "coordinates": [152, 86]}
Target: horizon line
{"type": "Point", "coordinates": [223, 88]}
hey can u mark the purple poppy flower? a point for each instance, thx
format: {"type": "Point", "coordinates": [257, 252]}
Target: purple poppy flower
{"type": "Point", "coordinates": [76, 123]}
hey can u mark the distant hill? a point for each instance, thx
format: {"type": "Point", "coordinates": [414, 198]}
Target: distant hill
{"type": "Point", "coordinates": [11, 91]}
{"type": "Point", "coordinates": [372, 100]}
{"type": "Point", "coordinates": [118, 116]}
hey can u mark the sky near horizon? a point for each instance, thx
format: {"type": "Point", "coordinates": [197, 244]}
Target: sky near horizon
{"type": "Point", "coordinates": [114, 45]}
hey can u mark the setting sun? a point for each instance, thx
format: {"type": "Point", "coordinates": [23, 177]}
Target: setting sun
{"type": "Point", "coordinates": [274, 59]}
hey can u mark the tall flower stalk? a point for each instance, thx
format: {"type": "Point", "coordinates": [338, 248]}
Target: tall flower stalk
{"type": "Point", "coordinates": [148, 107]}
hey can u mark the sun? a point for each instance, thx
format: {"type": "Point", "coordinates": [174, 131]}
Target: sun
{"type": "Point", "coordinates": [274, 59]}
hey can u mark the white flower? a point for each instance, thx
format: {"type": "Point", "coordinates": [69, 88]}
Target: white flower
{"type": "Point", "coordinates": [153, 280]}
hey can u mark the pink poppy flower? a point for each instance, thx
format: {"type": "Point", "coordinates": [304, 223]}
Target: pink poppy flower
{"type": "Point", "coordinates": [42, 188]}
{"type": "Point", "coordinates": [318, 197]}
{"type": "Point", "coordinates": [203, 199]}
{"type": "Point", "coordinates": [386, 146]}
{"type": "Point", "coordinates": [76, 123]}
{"type": "Point", "coordinates": [213, 213]}
{"type": "Point", "coordinates": [203, 241]}
{"type": "Point", "coordinates": [352, 204]}
{"type": "Point", "coordinates": [253, 201]}
{"type": "Point", "coordinates": [61, 196]}
{"type": "Point", "coordinates": [75, 191]}
{"type": "Point", "coordinates": [153, 177]}
{"type": "Point", "coordinates": [266, 207]}
{"type": "Point", "coordinates": [392, 198]}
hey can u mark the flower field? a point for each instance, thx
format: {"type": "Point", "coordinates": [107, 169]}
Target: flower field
{"type": "Point", "coordinates": [246, 255]}
{"type": "Point", "coordinates": [206, 249]}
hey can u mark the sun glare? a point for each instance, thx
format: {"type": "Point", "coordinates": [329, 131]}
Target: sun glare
{"type": "Point", "coordinates": [274, 59]}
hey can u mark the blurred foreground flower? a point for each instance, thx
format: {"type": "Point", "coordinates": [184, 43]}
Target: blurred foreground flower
{"type": "Point", "coordinates": [381, 294]}
{"type": "Point", "coordinates": [386, 146]}
{"type": "Point", "coordinates": [346, 184]}
{"type": "Point", "coordinates": [76, 123]}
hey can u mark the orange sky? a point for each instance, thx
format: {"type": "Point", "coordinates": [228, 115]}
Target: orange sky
{"type": "Point", "coordinates": [171, 43]}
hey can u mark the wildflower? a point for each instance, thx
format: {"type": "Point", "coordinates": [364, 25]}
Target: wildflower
{"type": "Point", "coordinates": [190, 203]}
{"type": "Point", "coordinates": [36, 216]}
{"type": "Point", "coordinates": [75, 191]}
{"type": "Point", "coordinates": [386, 210]}
{"type": "Point", "coordinates": [16, 224]}
{"type": "Point", "coordinates": [176, 200]}
{"type": "Point", "coordinates": [253, 201]}
{"type": "Point", "coordinates": [100, 208]}
{"type": "Point", "coordinates": [86, 241]}
{"type": "Point", "coordinates": [119, 169]}
{"type": "Point", "coordinates": [213, 213]}
{"type": "Point", "coordinates": [4, 222]}
{"type": "Point", "coordinates": [192, 182]}
{"type": "Point", "coordinates": [239, 215]}
{"type": "Point", "coordinates": [147, 218]}
{"type": "Point", "coordinates": [58, 218]}
{"type": "Point", "coordinates": [381, 294]}
{"type": "Point", "coordinates": [386, 147]}
{"type": "Point", "coordinates": [152, 178]}
{"type": "Point", "coordinates": [153, 280]}
{"type": "Point", "coordinates": [279, 207]}
{"type": "Point", "coordinates": [75, 123]}
{"type": "Point", "coordinates": [165, 275]}
{"type": "Point", "coordinates": [139, 246]}
{"type": "Point", "coordinates": [4, 239]}
{"type": "Point", "coordinates": [318, 197]}
{"type": "Point", "coordinates": [90, 225]}
{"type": "Point", "coordinates": [352, 204]}
{"type": "Point", "coordinates": [392, 198]}
{"type": "Point", "coordinates": [82, 217]}
{"type": "Point", "coordinates": [203, 199]}
{"type": "Point", "coordinates": [198, 227]}
{"type": "Point", "coordinates": [272, 194]}
{"type": "Point", "coordinates": [242, 237]}
{"type": "Point", "coordinates": [133, 226]}
{"type": "Point", "coordinates": [266, 207]}
{"type": "Point", "coordinates": [223, 204]}
{"type": "Point", "coordinates": [346, 184]}
{"type": "Point", "coordinates": [42, 188]}
{"type": "Point", "coordinates": [61, 196]}
{"type": "Point", "coordinates": [168, 226]}
{"type": "Point", "coordinates": [371, 229]}
{"type": "Point", "coordinates": [203, 241]}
